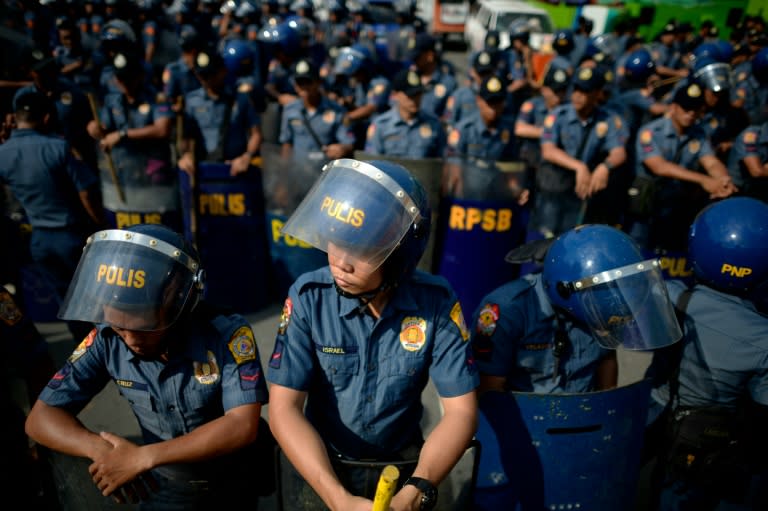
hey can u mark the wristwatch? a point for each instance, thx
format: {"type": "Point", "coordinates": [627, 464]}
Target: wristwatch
{"type": "Point", "coordinates": [123, 133]}
{"type": "Point", "coordinates": [428, 492]}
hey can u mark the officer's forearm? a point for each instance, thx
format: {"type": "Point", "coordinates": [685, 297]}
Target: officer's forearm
{"type": "Point", "coordinates": [61, 431]}
{"type": "Point", "coordinates": [664, 168]}
{"type": "Point", "coordinates": [447, 442]}
{"type": "Point", "coordinates": [553, 154]}
{"type": "Point", "coordinates": [160, 129]}
{"type": "Point", "coordinates": [713, 166]}
{"type": "Point", "coordinates": [617, 156]}
{"type": "Point", "coordinates": [525, 130]}
{"type": "Point", "coordinates": [92, 203]}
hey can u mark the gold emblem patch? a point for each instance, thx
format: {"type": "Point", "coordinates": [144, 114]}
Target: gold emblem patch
{"type": "Point", "coordinates": [750, 137]}
{"type": "Point", "coordinates": [493, 85]}
{"type": "Point", "coordinates": [601, 129]}
{"type": "Point", "coordinates": [693, 91]}
{"type": "Point", "coordinates": [458, 317]}
{"type": "Point", "coordinates": [440, 90]}
{"type": "Point", "coordinates": [425, 131]}
{"type": "Point", "coordinates": [206, 372]}
{"type": "Point", "coordinates": [144, 108]}
{"type": "Point", "coordinates": [585, 73]}
{"type": "Point", "coordinates": [329, 117]}
{"type": "Point", "coordinates": [694, 146]}
{"type": "Point", "coordinates": [242, 345]}
{"type": "Point", "coordinates": [646, 137]}
{"type": "Point", "coordinates": [413, 333]}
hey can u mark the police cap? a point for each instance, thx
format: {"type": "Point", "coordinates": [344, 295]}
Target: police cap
{"type": "Point", "coordinates": [493, 90]}
{"type": "Point", "coordinates": [407, 81]}
{"type": "Point", "coordinates": [689, 97]}
{"type": "Point", "coordinates": [587, 79]}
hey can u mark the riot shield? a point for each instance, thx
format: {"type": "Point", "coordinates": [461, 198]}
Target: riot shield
{"type": "Point", "coordinates": [427, 171]}
{"type": "Point", "coordinates": [561, 451]}
{"type": "Point", "coordinates": [480, 222]}
{"type": "Point", "coordinates": [230, 234]}
{"type": "Point", "coordinates": [286, 182]}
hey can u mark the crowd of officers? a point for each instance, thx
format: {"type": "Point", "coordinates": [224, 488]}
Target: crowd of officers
{"type": "Point", "coordinates": [105, 99]}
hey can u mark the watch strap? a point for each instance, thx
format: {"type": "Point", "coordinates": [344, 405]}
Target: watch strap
{"type": "Point", "coordinates": [427, 489]}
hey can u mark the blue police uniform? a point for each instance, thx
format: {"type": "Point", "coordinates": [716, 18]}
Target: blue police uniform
{"type": "Point", "coordinates": [752, 142]}
{"type": "Point", "coordinates": [533, 111]}
{"type": "Point", "coordinates": [327, 346]}
{"type": "Point", "coordinates": [438, 89]}
{"type": "Point", "coordinates": [389, 134]}
{"type": "Point", "coordinates": [82, 77]}
{"type": "Point", "coordinates": [222, 124]}
{"type": "Point", "coordinates": [71, 116]}
{"type": "Point", "coordinates": [557, 207]}
{"type": "Point", "coordinates": [327, 122]}
{"type": "Point", "coordinates": [675, 202]}
{"type": "Point", "coordinates": [723, 360]}
{"type": "Point", "coordinates": [179, 79]}
{"type": "Point", "coordinates": [636, 105]}
{"type": "Point", "coordinates": [279, 77]}
{"type": "Point", "coordinates": [461, 104]}
{"type": "Point", "coordinates": [755, 97]}
{"type": "Point", "coordinates": [513, 337]}
{"type": "Point", "coordinates": [46, 180]}
{"type": "Point", "coordinates": [215, 369]}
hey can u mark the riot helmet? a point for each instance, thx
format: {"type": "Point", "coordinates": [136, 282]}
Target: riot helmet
{"type": "Point", "coordinates": [760, 66]}
{"type": "Point", "coordinates": [563, 42]}
{"type": "Point", "coordinates": [639, 66]}
{"type": "Point", "coordinates": [597, 275]}
{"type": "Point", "coordinates": [715, 76]}
{"type": "Point", "coordinates": [239, 57]}
{"type": "Point", "coordinates": [148, 273]}
{"type": "Point", "coordinates": [728, 243]}
{"type": "Point", "coordinates": [375, 211]}
{"type": "Point", "coordinates": [353, 59]}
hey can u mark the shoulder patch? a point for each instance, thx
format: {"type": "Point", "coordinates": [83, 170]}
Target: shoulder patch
{"type": "Point", "coordinates": [242, 345]}
{"type": "Point", "coordinates": [549, 121]}
{"type": "Point", "coordinates": [285, 316]}
{"type": "Point", "coordinates": [10, 314]}
{"type": "Point", "coordinates": [646, 136]}
{"type": "Point", "coordinates": [750, 137]}
{"type": "Point", "coordinates": [82, 347]}
{"type": "Point", "coordinates": [486, 320]}
{"type": "Point", "coordinates": [454, 137]}
{"type": "Point", "coordinates": [244, 88]}
{"type": "Point", "coordinates": [527, 107]}
{"type": "Point", "coordinates": [458, 317]}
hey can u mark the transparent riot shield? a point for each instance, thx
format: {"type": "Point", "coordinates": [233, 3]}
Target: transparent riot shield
{"type": "Point", "coordinates": [481, 220]}
{"type": "Point", "coordinates": [561, 451]}
{"type": "Point", "coordinates": [428, 172]}
{"type": "Point", "coordinates": [286, 182]}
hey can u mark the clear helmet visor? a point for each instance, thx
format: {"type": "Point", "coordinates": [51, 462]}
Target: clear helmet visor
{"type": "Point", "coordinates": [130, 280]}
{"type": "Point", "coordinates": [629, 307]}
{"type": "Point", "coordinates": [356, 210]}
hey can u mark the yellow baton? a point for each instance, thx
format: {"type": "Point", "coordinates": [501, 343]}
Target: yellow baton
{"type": "Point", "coordinates": [386, 488]}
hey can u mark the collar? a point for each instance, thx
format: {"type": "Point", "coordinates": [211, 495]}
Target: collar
{"type": "Point", "coordinates": [402, 299]}
{"type": "Point", "coordinates": [24, 132]}
{"type": "Point", "coordinates": [538, 288]}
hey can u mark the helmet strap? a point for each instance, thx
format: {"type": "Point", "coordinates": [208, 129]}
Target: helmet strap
{"type": "Point", "coordinates": [364, 298]}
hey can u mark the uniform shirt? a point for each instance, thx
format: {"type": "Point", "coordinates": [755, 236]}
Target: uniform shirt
{"type": "Point", "coordinates": [82, 77]}
{"type": "Point", "coordinates": [564, 128]}
{"type": "Point", "coordinates": [513, 333]}
{"type": "Point", "coordinates": [533, 111]}
{"type": "Point", "coordinates": [45, 178]}
{"type": "Point", "coordinates": [751, 142]}
{"type": "Point", "coordinates": [364, 377]}
{"type": "Point", "coordinates": [327, 122]}
{"type": "Point", "coordinates": [438, 89]}
{"type": "Point", "coordinates": [755, 98]}
{"type": "Point", "coordinates": [217, 368]}
{"type": "Point", "coordinates": [725, 351]}
{"type": "Point", "coordinates": [206, 117]}
{"type": "Point", "coordinates": [390, 135]}
{"type": "Point", "coordinates": [178, 80]}
{"type": "Point", "coordinates": [460, 104]}
{"type": "Point", "coordinates": [375, 93]}
{"type": "Point", "coordinates": [665, 56]}
{"type": "Point", "coordinates": [636, 107]}
{"type": "Point", "coordinates": [659, 138]}
{"type": "Point", "coordinates": [280, 78]}
{"type": "Point", "coordinates": [472, 139]}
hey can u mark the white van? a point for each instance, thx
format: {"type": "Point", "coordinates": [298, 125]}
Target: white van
{"type": "Point", "coordinates": [499, 14]}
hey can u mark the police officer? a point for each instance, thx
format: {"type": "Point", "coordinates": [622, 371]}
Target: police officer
{"type": "Point", "coordinates": [344, 326]}
{"type": "Point", "coordinates": [191, 375]}
{"type": "Point", "coordinates": [179, 77]}
{"type": "Point", "coordinates": [581, 145]}
{"type": "Point", "coordinates": [554, 330]}
{"type": "Point", "coordinates": [58, 192]}
{"type": "Point", "coordinates": [461, 102]}
{"type": "Point", "coordinates": [75, 60]}
{"type": "Point", "coordinates": [312, 127]}
{"type": "Point", "coordinates": [751, 93]}
{"type": "Point", "coordinates": [675, 155]}
{"type": "Point", "coordinates": [563, 44]}
{"type": "Point", "coordinates": [477, 142]}
{"type": "Point", "coordinates": [404, 131]}
{"type": "Point", "coordinates": [668, 61]}
{"type": "Point", "coordinates": [224, 123]}
{"type": "Point", "coordinates": [438, 80]}
{"type": "Point", "coordinates": [135, 128]}
{"type": "Point", "coordinates": [711, 398]}
{"type": "Point", "coordinates": [636, 91]}
{"type": "Point", "coordinates": [748, 161]}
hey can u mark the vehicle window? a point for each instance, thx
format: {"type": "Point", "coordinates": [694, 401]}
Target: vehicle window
{"type": "Point", "coordinates": [382, 13]}
{"type": "Point", "coordinates": [536, 22]}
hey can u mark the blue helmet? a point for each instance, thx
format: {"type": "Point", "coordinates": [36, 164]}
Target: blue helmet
{"type": "Point", "coordinates": [706, 51]}
{"type": "Point", "coordinates": [597, 275]}
{"type": "Point", "coordinates": [728, 243]}
{"type": "Point", "coordinates": [281, 36]}
{"type": "Point", "coordinates": [142, 278]}
{"type": "Point", "coordinates": [726, 50]}
{"type": "Point", "coordinates": [353, 59]}
{"type": "Point", "coordinates": [760, 66]}
{"type": "Point", "coordinates": [639, 66]}
{"type": "Point", "coordinates": [563, 42]}
{"type": "Point", "coordinates": [375, 211]}
{"type": "Point", "coordinates": [239, 57]}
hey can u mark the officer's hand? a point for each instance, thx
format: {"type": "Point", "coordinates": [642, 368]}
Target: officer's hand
{"type": "Point", "coordinates": [599, 179]}
{"type": "Point", "coordinates": [583, 178]}
{"type": "Point", "coordinates": [719, 187]}
{"type": "Point", "coordinates": [120, 466]}
{"type": "Point", "coordinates": [407, 499]}
{"type": "Point", "coordinates": [186, 163]}
{"type": "Point", "coordinates": [110, 140]}
{"type": "Point", "coordinates": [95, 130]}
{"type": "Point", "coordinates": [452, 184]}
{"type": "Point", "coordinates": [334, 151]}
{"type": "Point", "coordinates": [240, 164]}
{"type": "Point", "coordinates": [353, 503]}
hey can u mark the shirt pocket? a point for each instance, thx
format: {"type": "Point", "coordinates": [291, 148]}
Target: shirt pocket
{"type": "Point", "coordinates": [203, 402]}
{"type": "Point", "coordinates": [339, 368]}
{"type": "Point", "coordinates": [144, 407]}
{"type": "Point", "coordinates": [405, 378]}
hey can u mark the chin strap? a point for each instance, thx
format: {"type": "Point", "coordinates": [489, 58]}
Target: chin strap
{"type": "Point", "coordinates": [364, 298]}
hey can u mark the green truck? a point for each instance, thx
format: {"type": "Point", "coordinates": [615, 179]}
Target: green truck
{"type": "Point", "coordinates": [653, 14]}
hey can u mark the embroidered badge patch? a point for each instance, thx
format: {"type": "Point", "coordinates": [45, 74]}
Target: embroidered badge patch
{"type": "Point", "coordinates": [549, 121]}
{"type": "Point", "coordinates": [242, 345]}
{"type": "Point", "coordinates": [425, 131]}
{"type": "Point", "coordinates": [486, 320]}
{"type": "Point", "coordinates": [454, 137]}
{"type": "Point", "coordinates": [60, 376]}
{"type": "Point", "coordinates": [458, 317]}
{"type": "Point", "coordinates": [694, 146]}
{"type": "Point", "coordinates": [80, 350]}
{"type": "Point", "coordinates": [277, 355]}
{"type": "Point", "coordinates": [207, 372]}
{"type": "Point", "coordinates": [601, 129]}
{"type": "Point", "coordinates": [750, 137]}
{"type": "Point", "coordinates": [413, 333]}
{"type": "Point", "coordinates": [646, 137]}
{"type": "Point", "coordinates": [250, 374]}
{"type": "Point", "coordinates": [527, 107]}
{"type": "Point", "coordinates": [10, 314]}
{"type": "Point", "coordinates": [285, 316]}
